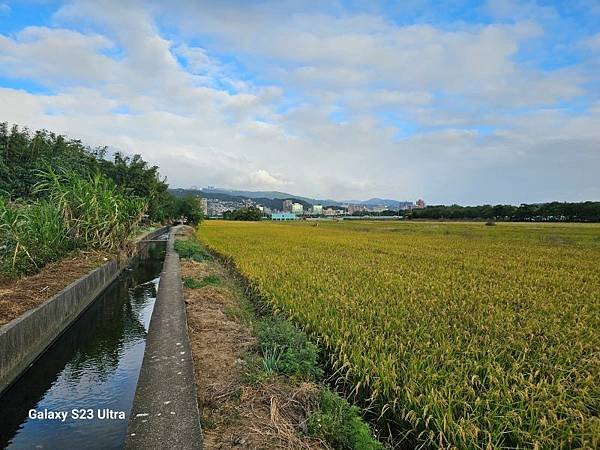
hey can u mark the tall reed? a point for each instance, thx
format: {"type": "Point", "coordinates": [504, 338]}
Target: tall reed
{"type": "Point", "coordinates": [72, 212]}
{"type": "Point", "coordinates": [96, 213]}
{"type": "Point", "coordinates": [31, 235]}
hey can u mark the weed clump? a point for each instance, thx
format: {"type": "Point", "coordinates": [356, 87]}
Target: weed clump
{"type": "Point", "coordinates": [77, 213]}
{"type": "Point", "coordinates": [193, 283]}
{"type": "Point", "coordinates": [287, 350]}
{"type": "Point", "coordinates": [340, 424]}
{"type": "Point", "coordinates": [191, 249]}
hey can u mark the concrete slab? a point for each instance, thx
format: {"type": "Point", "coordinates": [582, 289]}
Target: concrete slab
{"type": "Point", "coordinates": [165, 409]}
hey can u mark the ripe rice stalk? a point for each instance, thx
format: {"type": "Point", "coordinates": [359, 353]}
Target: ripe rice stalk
{"type": "Point", "coordinates": [456, 335]}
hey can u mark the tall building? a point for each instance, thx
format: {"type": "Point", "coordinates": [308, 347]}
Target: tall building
{"type": "Point", "coordinates": [204, 206]}
{"type": "Point", "coordinates": [317, 210]}
{"type": "Point", "coordinates": [355, 208]}
{"type": "Point", "coordinates": [420, 204]}
{"type": "Point", "coordinates": [297, 208]}
{"type": "Point", "coordinates": [287, 205]}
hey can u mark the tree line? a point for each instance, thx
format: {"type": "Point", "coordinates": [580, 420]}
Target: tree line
{"type": "Point", "coordinates": [542, 212]}
{"type": "Point", "coordinates": [25, 154]}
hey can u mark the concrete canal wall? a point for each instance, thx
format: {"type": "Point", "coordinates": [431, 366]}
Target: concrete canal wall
{"type": "Point", "coordinates": [24, 339]}
{"type": "Point", "coordinates": [165, 409]}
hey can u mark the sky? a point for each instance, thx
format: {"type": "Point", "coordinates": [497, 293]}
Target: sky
{"type": "Point", "coordinates": [468, 102]}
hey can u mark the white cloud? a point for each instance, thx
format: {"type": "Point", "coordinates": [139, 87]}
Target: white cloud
{"type": "Point", "coordinates": [344, 105]}
{"type": "Point", "coordinates": [263, 178]}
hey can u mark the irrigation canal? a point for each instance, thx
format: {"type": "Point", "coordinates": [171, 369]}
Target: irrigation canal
{"type": "Point", "coordinates": [94, 366]}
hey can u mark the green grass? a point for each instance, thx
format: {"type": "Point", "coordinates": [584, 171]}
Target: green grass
{"type": "Point", "coordinates": [193, 283]}
{"type": "Point", "coordinates": [31, 235]}
{"type": "Point", "coordinates": [340, 424]}
{"type": "Point", "coordinates": [191, 249]}
{"type": "Point", "coordinates": [287, 350]}
{"type": "Point", "coordinates": [73, 213]}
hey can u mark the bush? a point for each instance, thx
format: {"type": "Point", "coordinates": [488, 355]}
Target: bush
{"type": "Point", "coordinates": [340, 424]}
{"type": "Point", "coordinates": [188, 208]}
{"type": "Point", "coordinates": [288, 349]}
{"type": "Point", "coordinates": [246, 214]}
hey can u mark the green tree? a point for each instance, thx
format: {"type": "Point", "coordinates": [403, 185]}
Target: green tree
{"type": "Point", "coordinates": [188, 208]}
{"type": "Point", "coordinates": [248, 214]}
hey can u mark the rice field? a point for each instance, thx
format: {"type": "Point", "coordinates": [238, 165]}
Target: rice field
{"type": "Point", "coordinates": [459, 335]}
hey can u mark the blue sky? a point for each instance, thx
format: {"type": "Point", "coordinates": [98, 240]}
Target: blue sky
{"type": "Point", "coordinates": [492, 101]}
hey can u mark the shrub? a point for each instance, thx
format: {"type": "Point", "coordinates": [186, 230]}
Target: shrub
{"type": "Point", "coordinates": [288, 349]}
{"type": "Point", "coordinates": [340, 424]}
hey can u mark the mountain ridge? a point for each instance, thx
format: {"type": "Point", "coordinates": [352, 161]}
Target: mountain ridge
{"type": "Point", "coordinates": [279, 195]}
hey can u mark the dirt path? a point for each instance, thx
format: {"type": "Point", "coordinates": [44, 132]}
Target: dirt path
{"type": "Point", "coordinates": [238, 411]}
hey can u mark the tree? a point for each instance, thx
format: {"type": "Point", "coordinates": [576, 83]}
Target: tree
{"type": "Point", "coordinates": [23, 155]}
{"type": "Point", "coordinates": [247, 214]}
{"type": "Point", "coordinates": [188, 208]}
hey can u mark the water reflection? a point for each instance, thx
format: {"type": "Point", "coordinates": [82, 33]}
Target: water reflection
{"type": "Point", "coordinates": [94, 365]}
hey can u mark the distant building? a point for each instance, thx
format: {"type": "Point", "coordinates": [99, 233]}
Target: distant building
{"type": "Point", "coordinates": [204, 206]}
{"type": "Point", "coordinates": [420, 204]}
{"type": "Point", "coordinates": [317, 210]}
{"type": "Point", "coordinates": [283, 216]}
{"type": "Point", "coordinates": [287, 205]}
{"type": "Point", "coordinates": [406, 205]}
{"type": "Point", "coordinates": [330, 212]}
{"type": "Point", "coordinates": [355, 208]}
{"type": "Point", "coordinates": [297, 208]}
{"type": "Point", "coordinates": [378, 208]}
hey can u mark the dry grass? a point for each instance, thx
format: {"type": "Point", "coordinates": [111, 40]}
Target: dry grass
{"type": "Point", "coordinates": [19, 296]}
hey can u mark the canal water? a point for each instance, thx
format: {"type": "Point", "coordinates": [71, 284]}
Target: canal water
{"type": "Point", "coordinates": [91, 372]}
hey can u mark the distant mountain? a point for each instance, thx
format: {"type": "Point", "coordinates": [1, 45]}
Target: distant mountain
{"type": "Point", "coordinates": [272, 203]}
{"type": "Point", "coordinates": [382, 201]}
{"type": "Point", "coordinates": [274, 195]}
{"type": "Point", "coordinates": [274, 199]}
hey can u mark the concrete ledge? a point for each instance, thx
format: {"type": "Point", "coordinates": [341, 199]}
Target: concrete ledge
{"type": "Point", "coordinates": [165, 409]}
{"type": "Point", "coordinates": [25, 338]}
